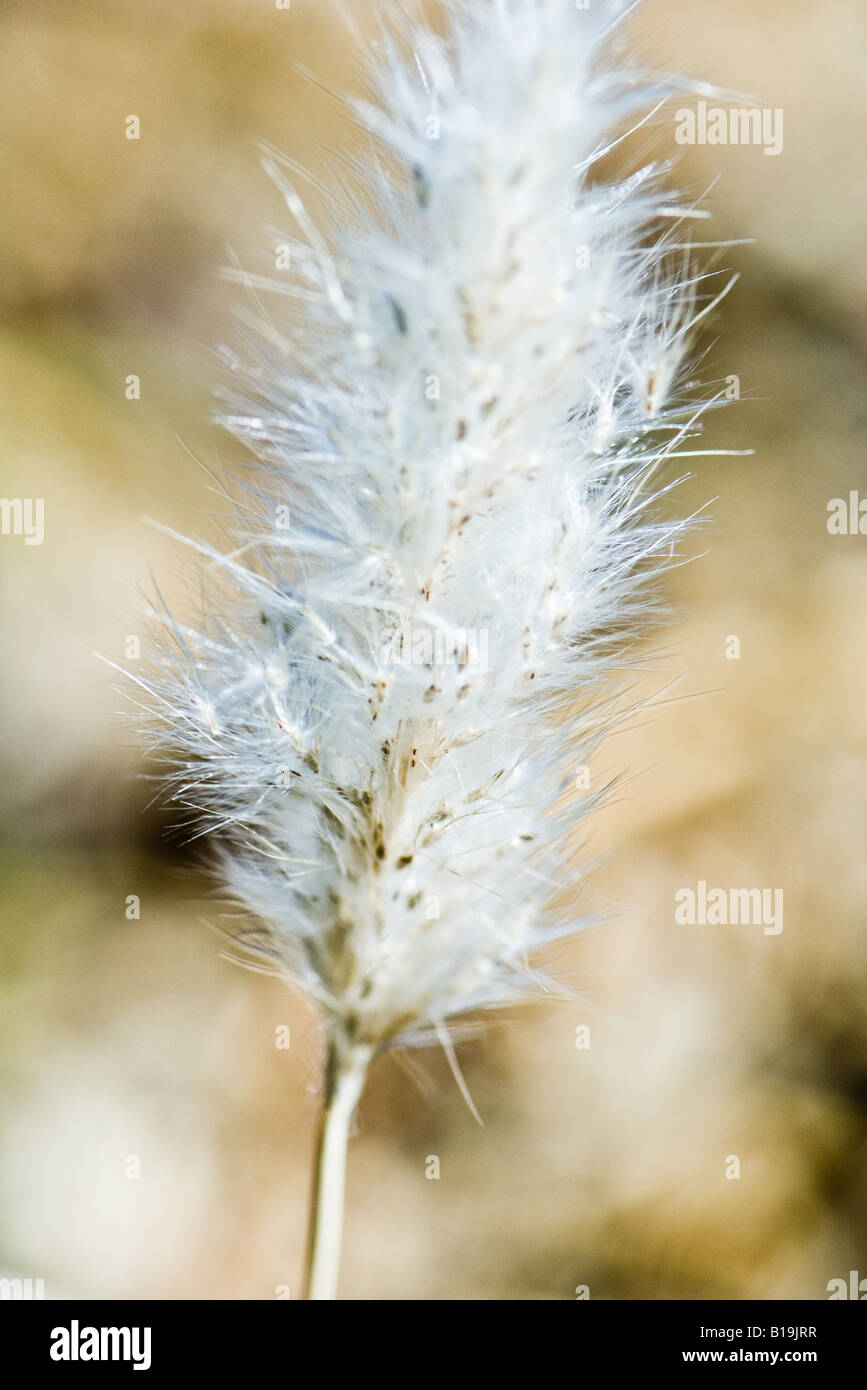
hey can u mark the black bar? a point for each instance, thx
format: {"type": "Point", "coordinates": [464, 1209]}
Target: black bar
{"type": "Point", "coordinates": [239, 1337]}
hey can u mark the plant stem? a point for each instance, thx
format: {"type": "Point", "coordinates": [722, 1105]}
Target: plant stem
{"type": "Point", "coordinates": [344, 1080]}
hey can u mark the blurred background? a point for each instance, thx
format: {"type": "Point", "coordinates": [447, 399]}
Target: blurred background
{"type": "Point", "coordinates": [155, 1140]}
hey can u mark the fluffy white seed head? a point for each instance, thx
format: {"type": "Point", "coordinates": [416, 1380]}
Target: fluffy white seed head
{"type": "Point", "coordinates": [443, 554]}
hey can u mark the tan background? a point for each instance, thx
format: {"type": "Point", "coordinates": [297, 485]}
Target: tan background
{"type": "Point", "coordinates": [603, 1167]}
